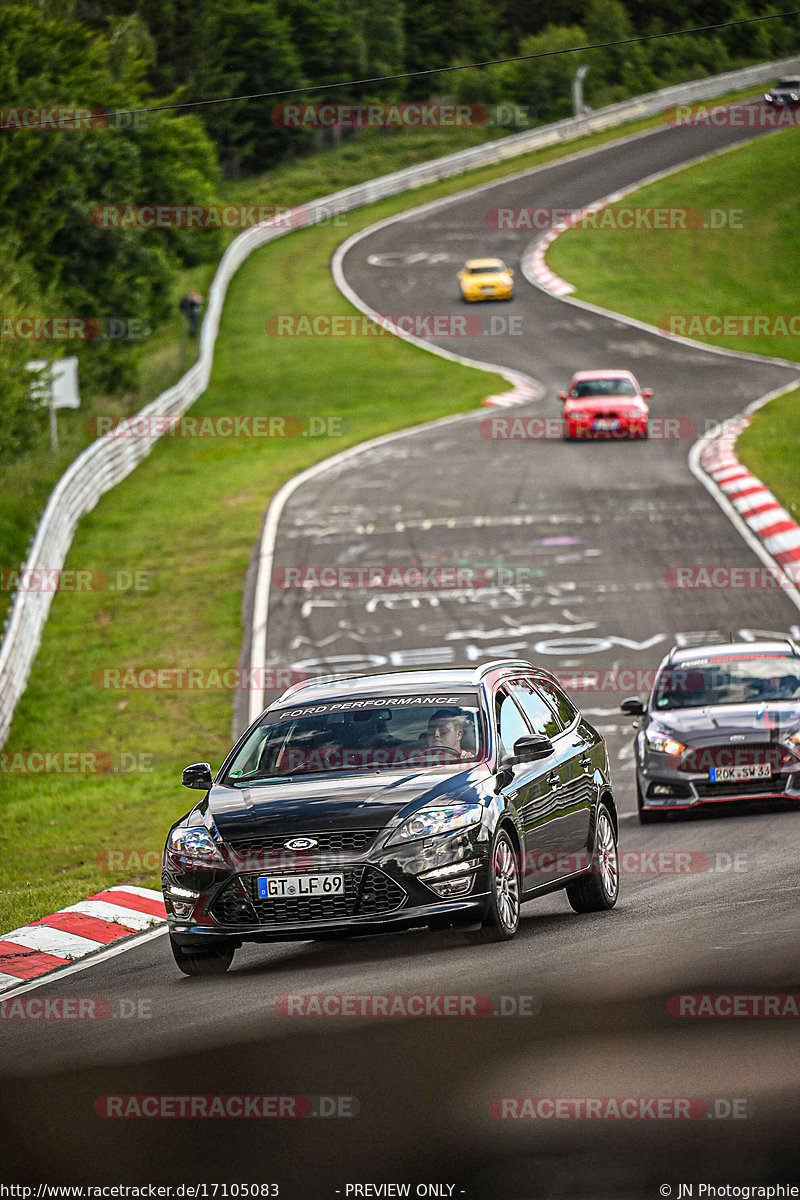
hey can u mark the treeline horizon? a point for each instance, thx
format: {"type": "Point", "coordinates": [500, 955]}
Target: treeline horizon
{"type": "Point", "coordinates": [110, 55]}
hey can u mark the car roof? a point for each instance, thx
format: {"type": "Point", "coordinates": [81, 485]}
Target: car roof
{"type": "Point", "coordinates": [733, 650]}
{"type": "Point", "coordinates": [484, 262]}
{"type": "Point", "coordinates": [386, 684]}
{"type": "Point", "coordinates": [389, 683]}
{"type": "Point", "coordinates": [606, 373]}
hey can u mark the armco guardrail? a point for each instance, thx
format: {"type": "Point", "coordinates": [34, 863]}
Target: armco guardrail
{"type": "Point", "coordinates": [108, 461]}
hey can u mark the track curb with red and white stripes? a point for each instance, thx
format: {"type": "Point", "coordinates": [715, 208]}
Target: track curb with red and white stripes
{"type": "Point", "coordinates": [767, 527]}
{"type": "Point", "coordinates": [775, 528]}
{"type": "Point", "coordinates": [54, 944]}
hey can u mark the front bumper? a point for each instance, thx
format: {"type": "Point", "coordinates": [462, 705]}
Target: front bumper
{"type": "Point", "coordinates": [584, 429]}
{"type": "Point", "coordinates": [383, 889]}
{"type": "Point", "coordinates": [665, 789]}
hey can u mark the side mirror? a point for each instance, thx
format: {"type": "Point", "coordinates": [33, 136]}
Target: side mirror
{"type": "Point", "coordinates": [198, 775]}
{"type": "Point", "coordinates": [632, 707]}
{"type": "Point", "coordinates": [562, 396]}
{"type": "Point", "coordinates": [647, 393]}
{"type": "Point", "coordinates": [511, 270]}
{"type": "Point", "coordinates": [532, 747]}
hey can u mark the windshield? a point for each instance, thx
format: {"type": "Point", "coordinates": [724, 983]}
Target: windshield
{"type": "Point", "coordinates": [792, 85]}
{"type": "Point", "coordinates": [489, 269]}
{"type": "Point", "coordinates": [367, 734]}
{"type": "Point", "coordinates": [603, 387]}
{"type": "Point", "coordinates": [721, 680]}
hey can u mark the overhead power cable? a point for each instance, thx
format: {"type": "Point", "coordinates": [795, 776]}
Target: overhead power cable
{"type": "Point", "coordinates": [488, 62]}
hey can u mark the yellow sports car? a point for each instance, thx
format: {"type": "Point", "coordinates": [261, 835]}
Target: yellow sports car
{"type": "Point", "coordinates": [486, 279]}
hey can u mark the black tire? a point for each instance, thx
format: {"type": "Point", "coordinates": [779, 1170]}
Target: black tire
{"type": "Point", "coordinates": [211, 960]}
{"type": "Point", "coordinates": [646, 816]}
{"type": "Point", "coordinates": [505, 890]}
{"type": "Point", "coordinates": [598, 891]}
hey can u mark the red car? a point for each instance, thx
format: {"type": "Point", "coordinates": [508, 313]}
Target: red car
{"type": "Point", "coordinates": [605, 404]}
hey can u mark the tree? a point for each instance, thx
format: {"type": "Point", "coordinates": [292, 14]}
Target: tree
{"type": "Point", "coordinates": [52, 180]}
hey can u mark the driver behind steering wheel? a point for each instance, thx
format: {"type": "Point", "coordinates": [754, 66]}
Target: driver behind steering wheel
{"type": "Point", "coordinates": [446, 730]}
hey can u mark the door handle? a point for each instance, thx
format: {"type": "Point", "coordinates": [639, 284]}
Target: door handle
{"type": "Point", "coordinates": [554, 779]}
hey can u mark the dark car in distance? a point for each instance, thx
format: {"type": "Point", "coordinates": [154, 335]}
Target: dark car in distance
{"type": "Point", "coordinates": [784, 92]}
{"type": "Point", "coordinates": [722, 724]}
{"type": "Point", "coordinates": [416, 798]}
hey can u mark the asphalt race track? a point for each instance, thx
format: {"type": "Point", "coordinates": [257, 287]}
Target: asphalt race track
{"type": "Point", "coordinates": [586, 534]}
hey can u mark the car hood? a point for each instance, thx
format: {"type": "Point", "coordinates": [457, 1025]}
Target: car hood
{"type": "Point", "coordinates": [598, 404]}
{"type": "Point", "coordinates": [332, 802]}
{"type": "Point", "coordinates": [756, 722]}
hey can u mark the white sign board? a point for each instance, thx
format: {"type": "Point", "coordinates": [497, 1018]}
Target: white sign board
{"type": "Point", "coordinates": [62, 390]}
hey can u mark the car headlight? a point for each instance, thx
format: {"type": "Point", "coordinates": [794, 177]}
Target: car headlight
{"type": "Point", "coordinates": [197, 844]}
{"type": "Point", "coordinates": [430, 822]}
{"type": "Point", "coordinates": [663, 741]}
{"type": "Point", "coordinates": [577, 415]}
{"type": "Point", "coordinates": [794, 738]}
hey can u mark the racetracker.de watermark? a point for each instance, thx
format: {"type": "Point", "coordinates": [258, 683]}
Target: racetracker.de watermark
{"type": "Point", "coordinates": [76, 1008]}
{"type": "Point", "coordinates": [622, 679]}
{"type": "Point", "coordinates": [383, 577]}
{"type": "Point", "coordinates": [618, 1108]}
{"type": "Point", "coordinates": [406, 115]}
{"type": "Point", "coordinates": [393, 116]}
{"type": "Point", "coordinates": [69, 579]}
{"type": "Point", "coordinates": [222, 1106]}
{"type": "Point", "coordinates": [414, 1004]}
{"type": "Point", "coordinates": [420, 325]}
{"type": "Point", "coordinates": [639, 862]}
{"type": "Point", "coordinates": [72, 329]}
{"type": "Point", "coordinates": [622, 218]}
{"type": "Point", "coordinates": [225, 425]}
{"type": "Point", "coordinates": [734, 578]}
{"type": "Point", "coordinates": [53, 118]}
{"type": "Point", "coordinates": [744, 325]}
{"type": "Point", "coordinates": [552, 429]}
{"type": "Point", "coordinates": [727, 116]}
{"type": "Point", "coordinates": [76, 762]}
{"type": "Point", "coordinates": [212, 216]}
{"type": "Point", "coordinates": [196, 679]}
{"type": "Point", "coordinates": [60, 119]}
{"type": "Point", "coordinates": [733, 1004]}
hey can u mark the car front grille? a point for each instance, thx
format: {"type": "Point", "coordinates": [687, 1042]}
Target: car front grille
{"type": "Point", "coordinates": [702, 758]}
{"type": "Point", "coordinates": [775, 785]}
{"type": "Point", "coordinates": [367, 892]}
{"type": "Point", "coordinates": [340, 841]}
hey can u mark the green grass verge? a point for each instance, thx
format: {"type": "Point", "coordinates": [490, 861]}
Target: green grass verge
{"type": "Point", "coordinates": [770, 448]}
{"type": "Point", "coordinates": [189, 515]}
{"type": "Point", "coordinates": [747, 270]}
